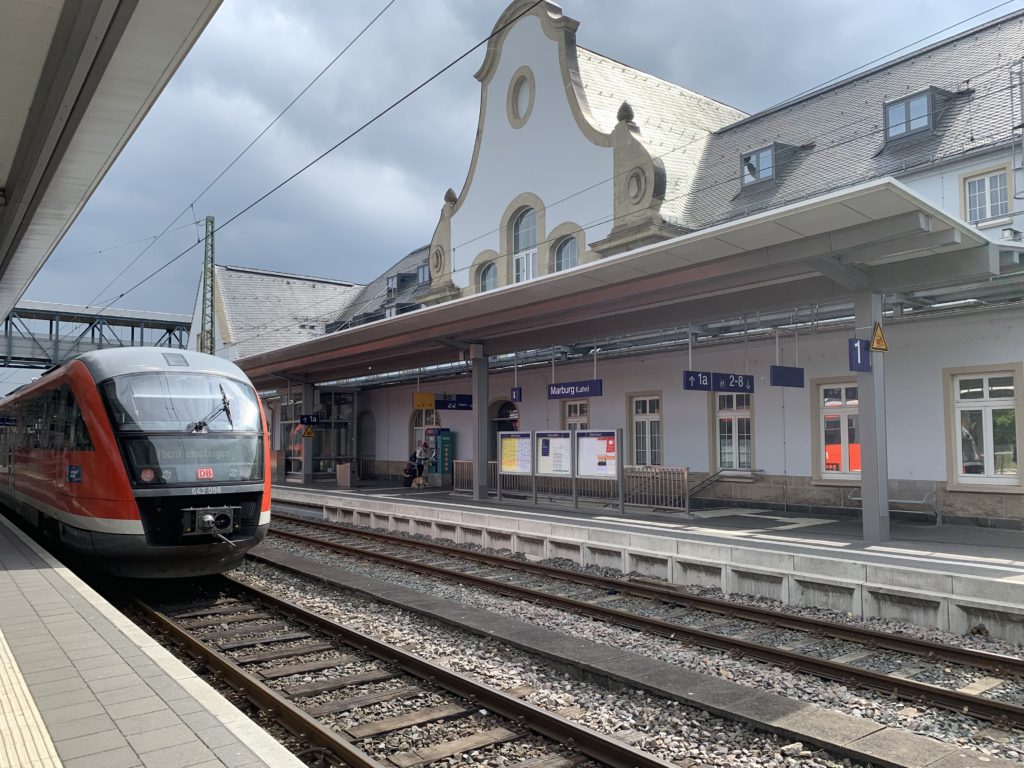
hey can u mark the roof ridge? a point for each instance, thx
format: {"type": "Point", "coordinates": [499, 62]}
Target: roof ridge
{"type": "Point", "coordinates": [669, 83]}
{"type": "Point", "coordinates": [274, 273]}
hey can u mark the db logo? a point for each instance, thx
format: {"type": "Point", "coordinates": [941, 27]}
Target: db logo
{"type": "Point", "coordinates": [204, 473]}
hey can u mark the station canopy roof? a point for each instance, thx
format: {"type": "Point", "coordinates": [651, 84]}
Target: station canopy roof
{"type": "Point", "coordinates": [76, 79]}
{"type": "Point", "coordinates": [877, 237]}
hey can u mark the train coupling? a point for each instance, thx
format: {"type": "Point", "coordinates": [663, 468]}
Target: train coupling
{"type": "Point", "coordinates": [211, 521]}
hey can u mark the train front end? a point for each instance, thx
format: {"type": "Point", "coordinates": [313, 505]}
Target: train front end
{"type": "Point", "coordinates": [193, 440]}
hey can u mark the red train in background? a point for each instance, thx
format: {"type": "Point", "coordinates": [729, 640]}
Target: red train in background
{"type": "Point", "coordinates": [148, 462]}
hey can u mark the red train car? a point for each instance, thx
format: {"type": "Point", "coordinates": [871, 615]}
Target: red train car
{"type": "Point", "coordinates": [148, 462]}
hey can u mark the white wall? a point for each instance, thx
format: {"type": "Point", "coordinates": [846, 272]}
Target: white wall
{"type": "Point", "coordinates": [944, 189]}
{"type": "Point", "coordinates": [548, 156]}
{"type": "Point", "coordinates": [919, 350]}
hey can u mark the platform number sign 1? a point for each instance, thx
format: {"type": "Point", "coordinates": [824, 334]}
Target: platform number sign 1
{"type": "Point", "coordinates": [860, 355]}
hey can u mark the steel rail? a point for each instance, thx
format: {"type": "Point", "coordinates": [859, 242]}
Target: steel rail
{"type": "Point", "coordinates": [930, 651]}
{"type": "Point", "coordinates": [967, 704]}
{"type": "Point", "coordinates": [604, 749]}
{"type": "Point", "coordinates": [264, 697]}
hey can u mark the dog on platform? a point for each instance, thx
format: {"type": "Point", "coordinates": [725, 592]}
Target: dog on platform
{"type": "Point", "coordinates": [419, 482]}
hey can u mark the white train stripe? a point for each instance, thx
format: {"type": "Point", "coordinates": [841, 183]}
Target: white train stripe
{"type": "Point", "coordinates": [93, 524]}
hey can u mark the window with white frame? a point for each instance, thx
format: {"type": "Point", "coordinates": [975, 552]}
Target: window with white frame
{"type": "Point", "coordinates": [565, 254]}
{"type": "Point", "coordinates": [985, 406]}
{"type": "Point", "coordinates": [487, 277]}
{"type": "Point", "coordinates": [524, 246]}
{"type": "Point", "coordinates": [907, 116]}
{"type": "Point", "coordinates": [839, 430]}
{"type": "Point", "coordinates": [987, 196]}
{"type": "Point", "coordinates": [733, 431]}
{"type": "Point", "coordinates": [758, 166]}
{"type": "Point", "coordinates": [577, 414]}
{"type": "Point", "coordinates": [392, 285]}
{"type": "Point", "coordinates": [423, 273]}
{"type": "Point", "coordinates": [645, 412]}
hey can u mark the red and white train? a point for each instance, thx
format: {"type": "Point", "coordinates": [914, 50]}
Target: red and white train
{"type": "Point", "coordinates": [149, 462]}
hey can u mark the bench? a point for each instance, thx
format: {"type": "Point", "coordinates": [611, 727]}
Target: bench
{"type": "Point", "coordinates": [930, 503]}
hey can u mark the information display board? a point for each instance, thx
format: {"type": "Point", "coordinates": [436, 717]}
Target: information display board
{"type": "Point", "coordinates": [596, 454]}
{"type": "Point", "coordinates": [515, 455]}
{"type": "Point", "coordinates": [554, 453]}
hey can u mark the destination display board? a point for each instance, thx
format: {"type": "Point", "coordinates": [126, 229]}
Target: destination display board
{"type": "Point", "coordinates": [554, 454]}
{"type": "Point", "coordinates": [596, 454]}
{"type": "Point", "coordinates": [515, 455]}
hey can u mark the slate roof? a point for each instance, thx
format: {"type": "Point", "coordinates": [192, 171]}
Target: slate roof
{"type": "Point", "coordinates": [838, 133]}
{"type": "Point", "coordinates": [373, 299]}
{"type": "Point", "coordinates": [269, 310]}
{"type": "Point", "coordinates": [831, 138]}
{"type": "Point", "coordinates": [675, 123]}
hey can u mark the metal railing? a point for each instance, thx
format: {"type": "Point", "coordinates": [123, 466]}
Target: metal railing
{"type": "Point", "coordinates": [645, 486]}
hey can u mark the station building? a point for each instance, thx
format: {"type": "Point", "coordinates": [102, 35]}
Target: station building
{"type": "Point", "coordinates": [620, 228]}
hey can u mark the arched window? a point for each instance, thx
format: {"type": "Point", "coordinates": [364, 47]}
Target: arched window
{"type": "Point", "coordinates": [421, 420]}
{"type": "Point", "coordinates": [524, 245]}
{"type": "Point", "coordinates": [504, 417]}
{"type": "Point", "coordinates": [487, 278]}
{"type": "Point", "coordinates": [565, 254]}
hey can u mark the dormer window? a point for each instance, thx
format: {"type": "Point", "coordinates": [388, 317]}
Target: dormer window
{"type": "Point", "coordinates": [423, 274]}
{"type": "Point", "coordinates": [910, 115]}
{"type": "Point", "coordinates": [392, 285]}
{"type": "Point", "coordinates": [758, 166]}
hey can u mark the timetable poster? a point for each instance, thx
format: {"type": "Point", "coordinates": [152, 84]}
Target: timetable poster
{"type": "Point", "coordinates": [554, 454]}
{"type": "Point", "coordinates": [596, 454]}
{"type": "Point", "coordinates": [514, 450]}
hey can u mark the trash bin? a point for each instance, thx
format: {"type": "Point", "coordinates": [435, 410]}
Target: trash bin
{"type": "Point", "coordinates": [343, 473]}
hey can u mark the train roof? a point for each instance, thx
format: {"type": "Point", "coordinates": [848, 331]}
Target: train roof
{"type": "Point", "coordinates": [104, 363]}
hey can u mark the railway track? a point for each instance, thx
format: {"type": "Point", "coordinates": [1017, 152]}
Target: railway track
{"type": "Point", "coordinates": [368, 703]}
{"type": "Point", "coordinates": [914, 670]}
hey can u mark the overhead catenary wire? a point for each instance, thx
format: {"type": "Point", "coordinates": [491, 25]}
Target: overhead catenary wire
{"type": "Point", "coordinates": [594, 224]}
{"type": "Point", "coordinates": [191, 204]}
{"type": "Point", "coordinates": [105, 249]}
{"type": "Point", "coordinates": [358, 130]}
{"type": "Point", "coordinates": [246, 149]}
{"type": "Point", "coordinates": [591, 225]}
{"type": "Point", "coordinates": [334, 147]}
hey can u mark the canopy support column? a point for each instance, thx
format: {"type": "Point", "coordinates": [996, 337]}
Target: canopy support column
{"type": "Point", "coordinates": [480, 426]}
{"type": "Point", "coordinates": [874, 455]}
{"type": "Point", "coordinates": [308, 443]}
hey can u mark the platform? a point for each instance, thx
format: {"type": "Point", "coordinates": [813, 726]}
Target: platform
{"type": "Point", "coordinates": [951, 577]}
{"type": "Point", "coordinates": [81, 686]}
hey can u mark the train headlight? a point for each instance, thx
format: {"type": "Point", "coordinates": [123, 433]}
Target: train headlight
{"type": "Point", "coordinates": [147, 475]}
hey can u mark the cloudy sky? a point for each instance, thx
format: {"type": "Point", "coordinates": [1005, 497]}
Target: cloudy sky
{"type": "Point", "coordinates": [378, 196]}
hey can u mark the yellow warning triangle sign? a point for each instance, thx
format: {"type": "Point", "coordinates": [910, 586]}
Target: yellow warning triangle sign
{"type": "Point", "coordinates": [878, 340]}
{"type": "Point", "coordinates": [308, 432]}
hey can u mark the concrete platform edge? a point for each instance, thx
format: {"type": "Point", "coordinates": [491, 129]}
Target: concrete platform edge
{"type": "Point", "coordinates": [240, 726]}
{"type": "Point", "coordinates": [932, 598]}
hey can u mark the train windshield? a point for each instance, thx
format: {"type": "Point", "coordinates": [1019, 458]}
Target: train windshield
{"type": "Point", "coordinates": [181, 402]}
{"type": "Point", "coordinates": [212, 459]}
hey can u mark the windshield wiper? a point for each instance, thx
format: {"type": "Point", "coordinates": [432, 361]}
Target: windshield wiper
{"type": "Point", "coordinates": [224, 407]}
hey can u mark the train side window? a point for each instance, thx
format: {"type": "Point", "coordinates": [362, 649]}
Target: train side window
{"type": "Point", "coordinates": [80, 435]}
{"type": "Point", "coordinates": [54, 418]}
{"type": "Point", "coordinates": [37, 419]}
{"type": "Point", "coordinates": [64, 417]}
